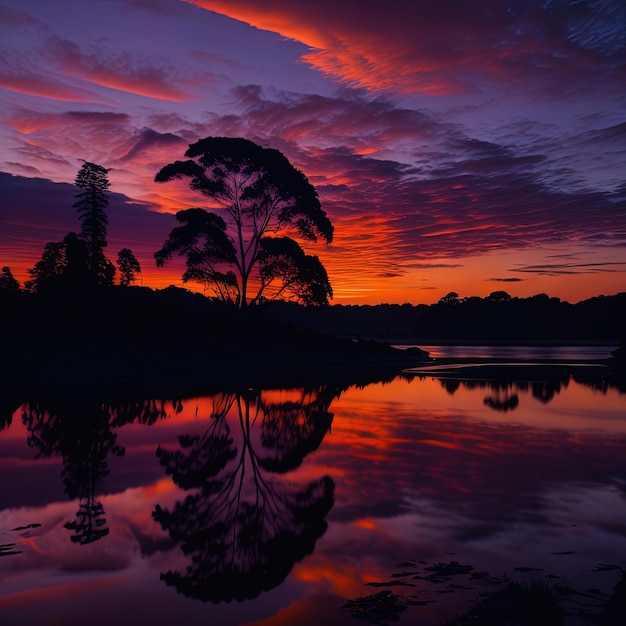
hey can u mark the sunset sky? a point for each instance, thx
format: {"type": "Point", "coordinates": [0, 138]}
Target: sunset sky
{"type": "Point", "coordinates": [456, 145]}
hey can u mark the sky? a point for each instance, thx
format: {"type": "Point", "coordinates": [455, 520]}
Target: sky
{"type": "Point", "coordinates": [456, 145]}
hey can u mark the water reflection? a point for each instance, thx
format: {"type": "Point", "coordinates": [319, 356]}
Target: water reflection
{"type": "Point", "coordinates": [8, 404]}
{"type": "Point", "coordinates": [505, 394]}
{"type": "Point", "coordinates": [241, 530]}
{"type": "Point", "coordinates": [81, 432]}
{"type": "Point", "coordinates": [294, 501]}
{"type": "Point", "coordinates": [82, 429]}
{"type": "Point", "coordinates": [506, 391]}
{"type": "Point", "coordinates": [243, 525]}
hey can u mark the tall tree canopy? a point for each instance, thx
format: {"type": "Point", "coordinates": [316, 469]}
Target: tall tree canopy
{"type": "Point", "coordinates": [63, 266]}
{"type": "Point", "coordinates": [8, 283]}
{"type": "Point", "coordinates": [93, 181]}
{"type": "Point", "coordinates": [128, 265]}
{"type": "Point", "coordinates": [250, 253]}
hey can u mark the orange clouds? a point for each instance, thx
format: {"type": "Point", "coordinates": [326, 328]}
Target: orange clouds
{"type": "Point", "coordinates": [276, 18]}
{"type": "Point", "coordinates": [361, 44]}
{"type": "Point", "coordinates": [54, 67]}
{"type": "Point", "coordinates": [420, 47]}
{"type": "Point", "coordinates": [509, 150]}
{"type": "Point", "coordinates": [121, 73]}
{"type": "Point", "coordinates": [43, 87]}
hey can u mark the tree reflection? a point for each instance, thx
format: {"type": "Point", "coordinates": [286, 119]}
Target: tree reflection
{"type": "Point", "coordinates": [451, 385]}
{"type": "Point", "coordinates": [8, 405]}
{"type": "Point", "coordinates": [544, 391]}
{"type": "Point", "coordinates": [81, 432]}
{"type": "Point", "coordinates": [502, 403]}
{"type": "Point", "coordinates": [243, 531]}
{"type": "Point", "coordinates": [82, 429]}
{"type": "Point", "coordinates": [504, 396]}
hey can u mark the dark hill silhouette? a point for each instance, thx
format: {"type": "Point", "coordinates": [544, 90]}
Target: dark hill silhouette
{"type": "Point", "coordinates": [118, 333]}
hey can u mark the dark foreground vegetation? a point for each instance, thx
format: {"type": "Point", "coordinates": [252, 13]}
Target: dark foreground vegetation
{"type": "Point", "coordinates": [268, 308]}
{"type": "Point", "coordinates": [131, 333]}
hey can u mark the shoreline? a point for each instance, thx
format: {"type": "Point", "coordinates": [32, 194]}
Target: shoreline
{"type": "Point", "coordinates": [206, 373]}
{"type": "Point", "coordinates": [597, 372]}
{"type": "Point", "coordinates": [300, 360]}
{"type": "Point", "coordinates": [341, 373]}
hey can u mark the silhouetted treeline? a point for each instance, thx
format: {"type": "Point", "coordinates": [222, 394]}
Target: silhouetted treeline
{"type": "Point", "coordinates": [498, 317]}
{"type": "Point", "coordinates": [536, 318]}
{"type": "Point", "coordinates": [383, 321]}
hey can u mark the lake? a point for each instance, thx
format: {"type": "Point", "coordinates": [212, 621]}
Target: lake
{"type": "Point", "coordinates": [310, 505]}
{"type": "Point", "coordinates": [495, 351]}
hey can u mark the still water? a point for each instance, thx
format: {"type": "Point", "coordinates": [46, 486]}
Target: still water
{"type": "Point", "coordinates": [284, 506]}
{"type": "Point", "coordinates": [541, 352]}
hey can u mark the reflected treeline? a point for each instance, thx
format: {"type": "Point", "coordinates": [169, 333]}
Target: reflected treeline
{"type": "Point", "coordinates": [603, 384]}
{"type": "Point", "coordinates": [81, 433]}
{"type": "Point", "coordinates": [82, 430]}
{"type": "Point", "coordinates": [244, 527]}
{"type": "Point", "coordinates": [7, 408]}
{"type": "Point", "coordinates": [10, 402]}
{"type": "Point", "coordinates": [504, 394]}
{"type": "Point", "coordinates": [502, 403]}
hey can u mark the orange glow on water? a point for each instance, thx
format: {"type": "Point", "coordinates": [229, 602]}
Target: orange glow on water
{"type": "Point", "coordinates": [303, 611]}
{"type": "Point", "coordinates": [158, 489]}
{"type": "Point", "coordinates": [343, 578]}
{"type": "Point", "coordinates": [282, 396]}
{"type": "Point", "coordinates": [420, 468]}
{"type": "Point", "coordinates": [441, 444]}
{"type": "Point", "coordinates": [366, 523]}
{"type": "Point", "coordinates": [55, 592]}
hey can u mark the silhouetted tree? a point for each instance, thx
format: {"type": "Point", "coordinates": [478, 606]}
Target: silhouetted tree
{"type": "Point", "coordinates": [449, 298]}
{"type": "Point", "coordinates": [9, 285]}
{"type": "Point", "coordinates": [93, 181]}
{"type": "Point", "coordinates": [49, 268]}
{"type": "Point", "coordinates": [76, 272]}
{"type": "Point", "coordinates": [128, 265]}
{"type": "Point", "coordinates": [63, 265]}
{"type": "Point", "coordinates": [498, 296]}
{"type": "Point", "coordinates": [260, 193]}
{"type": "Point", "coordinates": [202, 238]}
{"type": "Point", "coordinates": [298, 274]}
